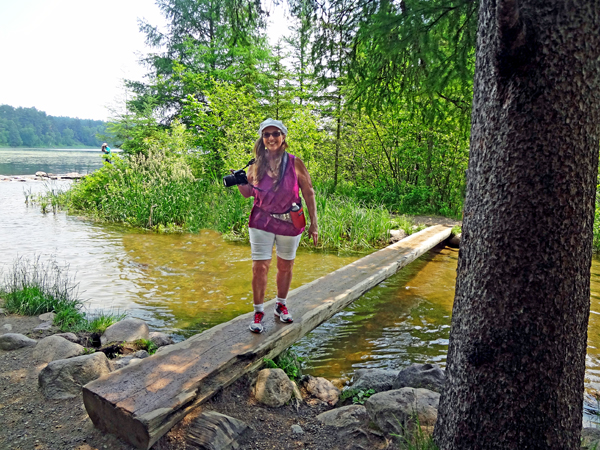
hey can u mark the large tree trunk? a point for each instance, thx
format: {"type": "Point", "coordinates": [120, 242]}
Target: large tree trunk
{"type": "Point", "coordinates": [516, 359]}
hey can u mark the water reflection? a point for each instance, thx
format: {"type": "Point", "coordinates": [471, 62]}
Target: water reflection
{"type": "Point", "coordinates": [404, 320]}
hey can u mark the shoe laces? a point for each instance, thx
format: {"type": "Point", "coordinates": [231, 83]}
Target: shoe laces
{"type": "Point", "coordinates": [282, 308]}
{"type": "Point", "coordinates": [258, 317]}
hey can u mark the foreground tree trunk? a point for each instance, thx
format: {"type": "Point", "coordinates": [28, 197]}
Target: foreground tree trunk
{"type": "Point", "coordinates": [516, 358]}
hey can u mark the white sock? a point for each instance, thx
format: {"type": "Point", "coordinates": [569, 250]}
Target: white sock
{"type": "Point", "coordinates": [280, 300]}
{"type": "Point", "coordinates": [259, 308]}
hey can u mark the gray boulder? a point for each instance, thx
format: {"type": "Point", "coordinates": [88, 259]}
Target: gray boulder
{"type": "Point", "coordinates": [273, 388]}
{"type": "Point", "coordinates": [125, 361]}
{"type": "Point", "coordinates": [321, 388]}
{"type": "Point", "coordinates": [52, 348]}
{"type": "Point", "coordinates": [43, 326]}
{"type": "Point", "coordinates": [214, 431]}
{"type": "Point", "coordinates": [72, 337]}
{"type": "Point", "coordinates": [47, 317]}
{"type": "Point", "coordinates": [127, 330]}
{"type": "Point", "coordinates": [397, 411]}
{"type": "Point", "coordinates": [63, 378]}
{"type": "Point", "coordinates": [352, 416]}
{"type": "Point", "coordinates": [141, 354]}
{"type": "Point", "coordinates": [160, 339]}
{"type": "Point", "coordinates": [14, 341]}
{"type": "Point", "coordinates": [426, 376]}
{"type": "Point", "coordinates": [377, 379]}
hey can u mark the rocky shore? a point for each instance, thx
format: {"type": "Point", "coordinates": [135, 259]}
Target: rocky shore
{"type": "Point", "coordinates": [42, 176]}
{"type": "Point", "coordinates": [42, 371]}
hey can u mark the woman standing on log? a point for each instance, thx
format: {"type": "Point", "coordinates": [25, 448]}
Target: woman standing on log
{"type": "Point", "coordinates": [277, 215]}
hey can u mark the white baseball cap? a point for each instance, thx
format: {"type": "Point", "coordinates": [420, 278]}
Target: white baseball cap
{"type": "Point", "coordinates": [272, 123]}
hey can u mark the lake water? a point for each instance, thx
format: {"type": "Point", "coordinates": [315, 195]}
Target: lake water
{"type": "Point", "coordinates": [184, 283]}
{"type": "Point", "coordinates": [27, 161]}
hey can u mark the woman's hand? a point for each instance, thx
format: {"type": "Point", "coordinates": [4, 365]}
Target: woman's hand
{"type": "Point", "coordinates": [313, 233]}
{"type": "Point", "coordinates": [247, 190]}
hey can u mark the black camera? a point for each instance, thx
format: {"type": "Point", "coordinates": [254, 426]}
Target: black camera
{"type": "Point", "coordinates": [237, 177]}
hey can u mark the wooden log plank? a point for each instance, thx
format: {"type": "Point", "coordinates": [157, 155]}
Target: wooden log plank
{"type": "Point", "coordinates": [140, 403]}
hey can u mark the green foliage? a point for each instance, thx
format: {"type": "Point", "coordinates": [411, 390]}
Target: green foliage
{"type": "Point", "coordinates": [349, 224]}
{"type": "Point", "coordinates": [146, 344]}
{"type": "Point", "coordinates": [28, 127]}
{"type": "Point", "coordinates": [101, 320]}
{"type": "Point", "coordinates": [70, 319]}
{"type": "Point", "coordinates": [456, 229]}
{"type": "Point", "coordinates": [219, 40]}
{"type": "Point", "coordinates": [33, 287]}
{"type": "Point", "coordinates": [413, 436]}
{"type": "Point", "coordinates": [288, 361]}
{"type": "Point", "coordinates": [358, 396]}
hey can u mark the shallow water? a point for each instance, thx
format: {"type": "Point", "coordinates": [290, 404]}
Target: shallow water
{"type": "Point", "coordinates": [180, 283]}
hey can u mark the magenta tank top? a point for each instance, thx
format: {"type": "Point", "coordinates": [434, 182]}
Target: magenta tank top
{"type": "Point", "coordinates": [267, 201]}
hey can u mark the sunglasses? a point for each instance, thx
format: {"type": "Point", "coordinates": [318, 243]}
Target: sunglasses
{"type": "Point", "coordinates": [267, 135]}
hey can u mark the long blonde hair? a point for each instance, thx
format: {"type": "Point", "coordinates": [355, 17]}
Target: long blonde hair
{"type": "Point", "coordinates": [261, 166]}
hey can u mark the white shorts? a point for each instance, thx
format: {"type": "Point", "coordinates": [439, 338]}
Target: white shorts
{"type": "Point", "coordinates": [262, 242]}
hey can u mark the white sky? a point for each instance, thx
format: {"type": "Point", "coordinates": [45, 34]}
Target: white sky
{"type": "Point", "coordinates": [68, 57]}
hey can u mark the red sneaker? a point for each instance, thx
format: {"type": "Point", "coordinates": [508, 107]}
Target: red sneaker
{"type": "Point", "coordinates": [256, 326]}
{"type": "Point", "coordinates": [282, 312]}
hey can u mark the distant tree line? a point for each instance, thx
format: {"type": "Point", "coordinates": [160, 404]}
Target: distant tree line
{"type": "Point", "coordinates": [28, 127]}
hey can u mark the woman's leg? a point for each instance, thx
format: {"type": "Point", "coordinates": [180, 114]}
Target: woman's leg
{"type": "Point", "coordinates": [284, 276]}
{"type": "Point", "coordinates": [286, 254]}
{"type": "Point", "coordinates": [261, 243]}
{"type": "Point", "coordinates": [260, 271]}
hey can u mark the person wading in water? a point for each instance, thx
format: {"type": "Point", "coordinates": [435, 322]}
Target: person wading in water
{"type": "Point", "coordinates": [274, 181]}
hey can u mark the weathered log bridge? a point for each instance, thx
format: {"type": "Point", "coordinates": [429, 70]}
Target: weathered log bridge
{"type": "Point", "coordinates": [142, 402]}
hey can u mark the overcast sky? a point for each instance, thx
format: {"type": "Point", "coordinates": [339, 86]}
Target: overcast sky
{"type": "Point", "coordinates": [68, 57]}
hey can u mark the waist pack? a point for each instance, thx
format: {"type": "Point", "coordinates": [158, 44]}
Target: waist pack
{"type": "Point", "coordinates": [295, 215]}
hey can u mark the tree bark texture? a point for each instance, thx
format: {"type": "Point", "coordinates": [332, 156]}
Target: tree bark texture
{"type": "Point", "coordinates": [516, 358]}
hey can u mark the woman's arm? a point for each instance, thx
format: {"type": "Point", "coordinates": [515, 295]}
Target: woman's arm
{"type": "Point", "coordinates": [308, 193]}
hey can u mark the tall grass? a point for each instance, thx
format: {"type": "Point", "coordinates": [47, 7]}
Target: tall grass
{"type": "Point", "coordinates": [414, 437]}
{"type": "Point", "coordinates": [32, 287]}
{"type": "Point", "coordinates": [346, 224]}
{"type": "Point", "coordinates": [159, 192]}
